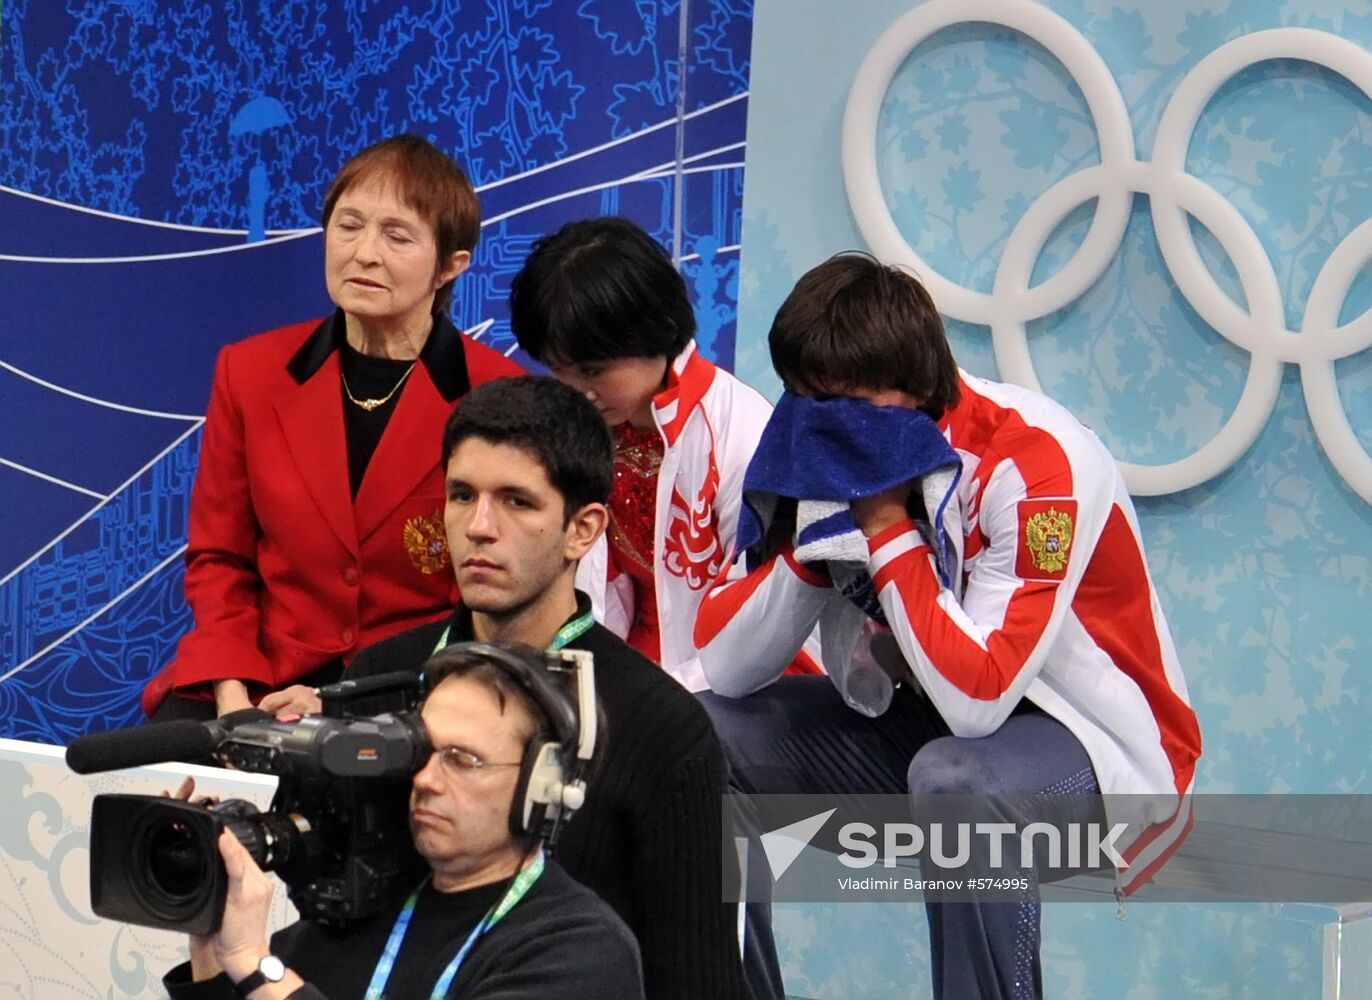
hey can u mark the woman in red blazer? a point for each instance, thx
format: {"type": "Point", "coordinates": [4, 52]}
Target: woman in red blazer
{"type": "Point", "coordinates": [316, 521]}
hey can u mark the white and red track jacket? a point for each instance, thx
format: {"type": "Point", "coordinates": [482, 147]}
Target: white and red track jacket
{"type": "Point", "coordinates": [1056, 605]}
{"type": "Point", "coordinates": [710, 424]}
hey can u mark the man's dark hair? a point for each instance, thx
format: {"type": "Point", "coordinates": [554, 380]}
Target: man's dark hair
{"type": "Point", "coordinates": [855, 323]}
{"type": "Point", "coordinates": [549, 420]}
{"type": "Point", "coordinates": [598, 290]}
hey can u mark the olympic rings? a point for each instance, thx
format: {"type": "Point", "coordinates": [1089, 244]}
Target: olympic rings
{"type": "Point", "coordinates": [1173, 196]}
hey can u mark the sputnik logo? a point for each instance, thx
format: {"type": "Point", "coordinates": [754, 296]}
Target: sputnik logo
{"type": "Point", "coordinates": [784, 844]}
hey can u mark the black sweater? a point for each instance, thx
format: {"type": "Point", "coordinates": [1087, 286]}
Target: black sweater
{"type": "Point", "coordinates": [649, 839]}
{"type": "Point", "coordinates": [558, 943]}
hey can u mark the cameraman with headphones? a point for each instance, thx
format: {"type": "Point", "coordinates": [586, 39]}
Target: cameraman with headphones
{"type": "Point", "coordinates": [494, 918]}
{"type": "Point", "coordinates": [529, 465]}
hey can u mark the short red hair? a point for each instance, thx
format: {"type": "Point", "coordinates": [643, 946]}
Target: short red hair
{"type": "Point", "coordinates": [428, 181]}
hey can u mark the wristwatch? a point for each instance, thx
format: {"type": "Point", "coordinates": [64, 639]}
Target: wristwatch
{"type": "Point", "coordinates": [270, 970]}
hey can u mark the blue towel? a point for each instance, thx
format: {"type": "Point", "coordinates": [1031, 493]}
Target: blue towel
{"type": "Point", "coordinates": [825, 453]}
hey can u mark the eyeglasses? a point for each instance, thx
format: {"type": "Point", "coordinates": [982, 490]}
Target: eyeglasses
{"type": "Point", "coordinates": [459, 763]}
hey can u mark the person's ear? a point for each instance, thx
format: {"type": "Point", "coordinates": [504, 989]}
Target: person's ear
{"type": "Point", "coordinates": [583, 528]}
{"type": "Point", "coordinates": [457, 262]}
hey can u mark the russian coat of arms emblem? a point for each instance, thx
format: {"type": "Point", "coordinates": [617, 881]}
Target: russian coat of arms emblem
{"type": "Point", "coordinates": [1048, 536]}
{"type": "Point", "coordinates": [427, 543]}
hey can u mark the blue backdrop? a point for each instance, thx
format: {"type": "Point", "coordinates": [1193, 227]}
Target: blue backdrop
{"type": "Point", "coordinates": [1265, 569]}
{"type": "Point", "coordinates": [162, 165]}
{"type": "Point", "coordinates": [161, 169]}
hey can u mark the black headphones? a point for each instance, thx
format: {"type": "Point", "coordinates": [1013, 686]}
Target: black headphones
{"type": "Point", "coordinates": [552, 775]}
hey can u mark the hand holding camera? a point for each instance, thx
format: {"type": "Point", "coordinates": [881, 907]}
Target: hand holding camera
{"type": "Point", "coordinates": [336, 831]}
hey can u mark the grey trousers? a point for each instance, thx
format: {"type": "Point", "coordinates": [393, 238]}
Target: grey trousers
{"type": "Point", "coordinates": [797, 737]}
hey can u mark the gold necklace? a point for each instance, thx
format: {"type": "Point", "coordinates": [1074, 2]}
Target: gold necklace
{"type": "Point", "coordinates": [372, 404]}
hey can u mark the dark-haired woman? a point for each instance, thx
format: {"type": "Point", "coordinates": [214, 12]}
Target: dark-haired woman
{"type": "Point", "coordinates": [316, 523]}
{"type": "Point", "coordinates": [602, 305]}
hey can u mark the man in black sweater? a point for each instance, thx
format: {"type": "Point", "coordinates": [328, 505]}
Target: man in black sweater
{"type": "Point", "coordinates": [529, 467]}
{"type": "Point", "coordinates": [492, 919]}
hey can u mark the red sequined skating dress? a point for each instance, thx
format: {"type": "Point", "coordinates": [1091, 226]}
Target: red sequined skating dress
{"type": "Point", "coordinates": [633, 509]}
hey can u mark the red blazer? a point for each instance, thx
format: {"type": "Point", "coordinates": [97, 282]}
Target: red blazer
{"type": "Point", "coordinates": [285, 570]}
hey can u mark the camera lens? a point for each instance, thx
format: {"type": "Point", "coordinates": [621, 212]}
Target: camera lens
{"type": "Point", "coordinates": [176, 861]}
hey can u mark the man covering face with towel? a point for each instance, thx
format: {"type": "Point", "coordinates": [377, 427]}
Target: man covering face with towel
{"type": "Point", "coordinates": [973, 559]}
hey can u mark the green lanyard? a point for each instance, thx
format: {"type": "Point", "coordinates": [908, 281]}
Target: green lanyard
{"type": "Point", "coordinates": [568, 633]}
{"type": "Point", "coordinates": [376, 990]}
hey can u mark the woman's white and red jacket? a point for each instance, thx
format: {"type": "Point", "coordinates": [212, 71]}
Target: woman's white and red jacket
{"type": "Point", "coordinates": [710, 424]}
{"type": "Point", "coordinates": [1054, 604]}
